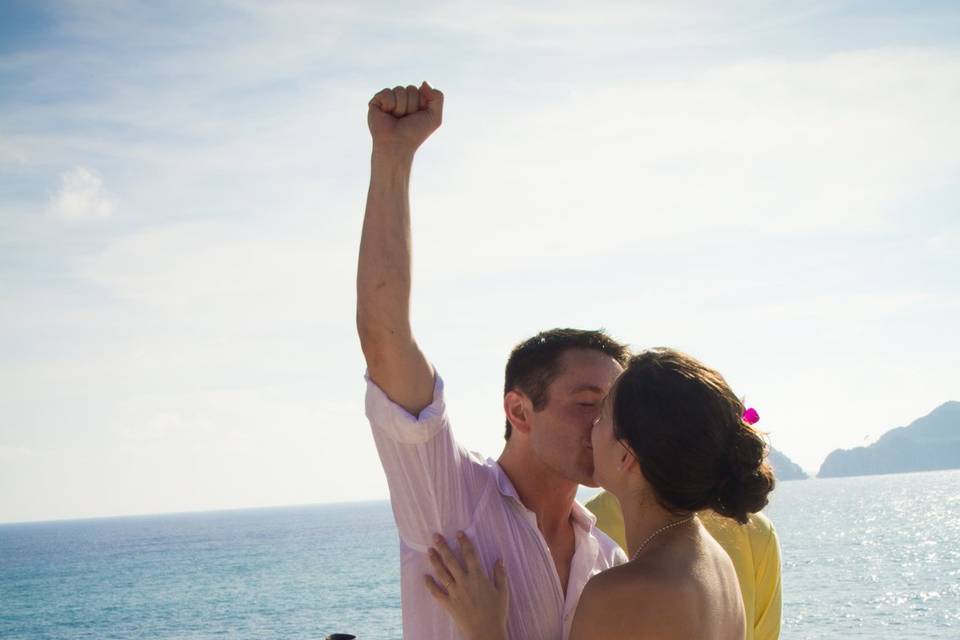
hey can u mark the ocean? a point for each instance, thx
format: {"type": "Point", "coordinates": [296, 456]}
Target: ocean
{"type": "Point", "coordinates": [867, 557]}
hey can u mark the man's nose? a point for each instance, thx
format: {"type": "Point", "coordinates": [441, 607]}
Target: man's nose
{"type": "Point", "coordinates": [594, 418]}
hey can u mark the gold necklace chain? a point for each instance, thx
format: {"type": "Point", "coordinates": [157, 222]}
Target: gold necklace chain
{"type": "Point", "coordinates": [659, 531]}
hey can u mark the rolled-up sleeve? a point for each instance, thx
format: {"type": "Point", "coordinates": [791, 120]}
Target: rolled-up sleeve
{"type": "Point", "coordinates": [433, 481]}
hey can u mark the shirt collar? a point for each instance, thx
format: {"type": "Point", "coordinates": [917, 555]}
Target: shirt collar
{"type": "Point", "coordinates": [581, 515]}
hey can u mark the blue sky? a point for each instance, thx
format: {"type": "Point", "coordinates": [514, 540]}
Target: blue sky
{"type": "Point", "coordinates": [771, 186]}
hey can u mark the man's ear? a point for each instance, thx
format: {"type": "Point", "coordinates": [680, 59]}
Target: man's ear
{"type": "Point", "coordinates": [517, 407]}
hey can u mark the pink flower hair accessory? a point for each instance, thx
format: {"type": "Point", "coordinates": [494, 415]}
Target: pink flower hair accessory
{"type": "Point", "coordinates": [751, 417]}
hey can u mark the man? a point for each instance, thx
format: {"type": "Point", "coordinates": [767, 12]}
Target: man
{"type": "Point", "coordinates": [521, 507]}
{"type": "Point", "coordinates": [753, 548]}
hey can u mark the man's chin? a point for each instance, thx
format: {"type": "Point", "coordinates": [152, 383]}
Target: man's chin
{"type": "Point", "coordinates": [586, 475]}
{"type": "Point", "coordinates": [579, 472]}
{"type": "Point", "coordinates": [580, 476]}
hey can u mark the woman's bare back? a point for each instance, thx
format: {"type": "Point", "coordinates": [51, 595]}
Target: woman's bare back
{"type": "Point", "coordinates": [684, 588]}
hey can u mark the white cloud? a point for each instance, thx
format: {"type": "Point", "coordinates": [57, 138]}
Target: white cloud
{"type": "Point", "coordinates": [10, 453]}
{"type": "Point", "coordinates": [946, 243]}
{"type": "Point", "coordinates": [613, 27]}
{"type": "Point", "coordinates": [230, 273]}
{"type": "Point", "coordinates": [831, 144]}
{"type": "Point", "coordinates": [82, 196]}
{"type": "Point", "coordinates": [10, 156]}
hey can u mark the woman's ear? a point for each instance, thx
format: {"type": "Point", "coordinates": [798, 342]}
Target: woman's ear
{"type": "Point", "coordinates": [628, 459]}
{"type": "Point", "coordinates": [517, 408]}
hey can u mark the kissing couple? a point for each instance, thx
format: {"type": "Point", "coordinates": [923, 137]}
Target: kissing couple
{"type": "Point", "coordinates": [500, 549]}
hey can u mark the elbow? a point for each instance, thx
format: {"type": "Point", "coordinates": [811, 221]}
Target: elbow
{"type": "Point", "coordinates": [378, 339]}
{"type": "Point", "coordinates": [371, 326]}
{"type": "Point", "coordinates": [371, 344]}
{"type": "Point", "coordinates": [367, 330]}
{"type": "Point", "coordinates": [368, 333]}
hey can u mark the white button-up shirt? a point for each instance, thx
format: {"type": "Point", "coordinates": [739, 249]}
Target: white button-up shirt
{"type": "Point", "coordinates": [438, 486]}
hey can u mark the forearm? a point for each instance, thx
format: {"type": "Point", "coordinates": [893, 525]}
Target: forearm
{"type": "Point", "coordinates": [394, 360]}
{"type": "Point", "coordinates": [383, 272]}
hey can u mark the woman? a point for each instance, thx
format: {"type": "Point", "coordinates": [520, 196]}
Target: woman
{"type": "Point", "coordinates": [670, 441]}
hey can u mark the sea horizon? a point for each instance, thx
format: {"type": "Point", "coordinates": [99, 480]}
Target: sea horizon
{"type": "Point", "coordinates": [4, 523]}
{"type": "Point", "coordinates": [583, 493]}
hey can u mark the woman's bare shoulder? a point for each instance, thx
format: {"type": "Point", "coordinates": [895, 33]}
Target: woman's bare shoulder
{"type": "Point", "coordinates": [625, 602]}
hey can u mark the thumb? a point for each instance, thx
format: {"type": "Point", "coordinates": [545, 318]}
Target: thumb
{"type": "Point", "coordinates": [377, 104]}
{"type": "Point", "coordinates": [430, 98]}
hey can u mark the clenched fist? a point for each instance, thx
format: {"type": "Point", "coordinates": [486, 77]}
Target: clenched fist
{"type": "Point", "coordinates": [401, 118]}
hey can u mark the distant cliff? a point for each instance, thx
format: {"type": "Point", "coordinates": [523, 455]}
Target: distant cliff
{"type": "Point", "coordinates": [927, 444]}
{"type": "Point", "coordinates": [784, 468]}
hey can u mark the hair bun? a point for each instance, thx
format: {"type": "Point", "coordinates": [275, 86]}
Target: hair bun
{"type": "Point", "coordinates": [749, 478]}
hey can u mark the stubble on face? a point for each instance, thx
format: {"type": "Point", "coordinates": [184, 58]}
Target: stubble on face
{"type": "Point", "coordinates": [561, 435]}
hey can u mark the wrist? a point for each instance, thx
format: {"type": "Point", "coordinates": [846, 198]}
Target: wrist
{"type": "Point", "coordinates": [392, 155]}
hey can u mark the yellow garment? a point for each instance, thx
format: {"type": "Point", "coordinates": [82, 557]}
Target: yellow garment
{"type": "Point", "coordinates": [753, 548]}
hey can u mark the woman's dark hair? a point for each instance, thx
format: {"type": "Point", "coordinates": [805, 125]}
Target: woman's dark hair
{"type": "Point", "coordinates": [686, 427]}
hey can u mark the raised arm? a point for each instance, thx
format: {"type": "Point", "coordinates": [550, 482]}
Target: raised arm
{"type": "Point", "coordinates": [400, 119]}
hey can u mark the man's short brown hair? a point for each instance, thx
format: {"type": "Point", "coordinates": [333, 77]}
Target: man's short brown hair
{"type": "Point", "coordinates": [535, 363]}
